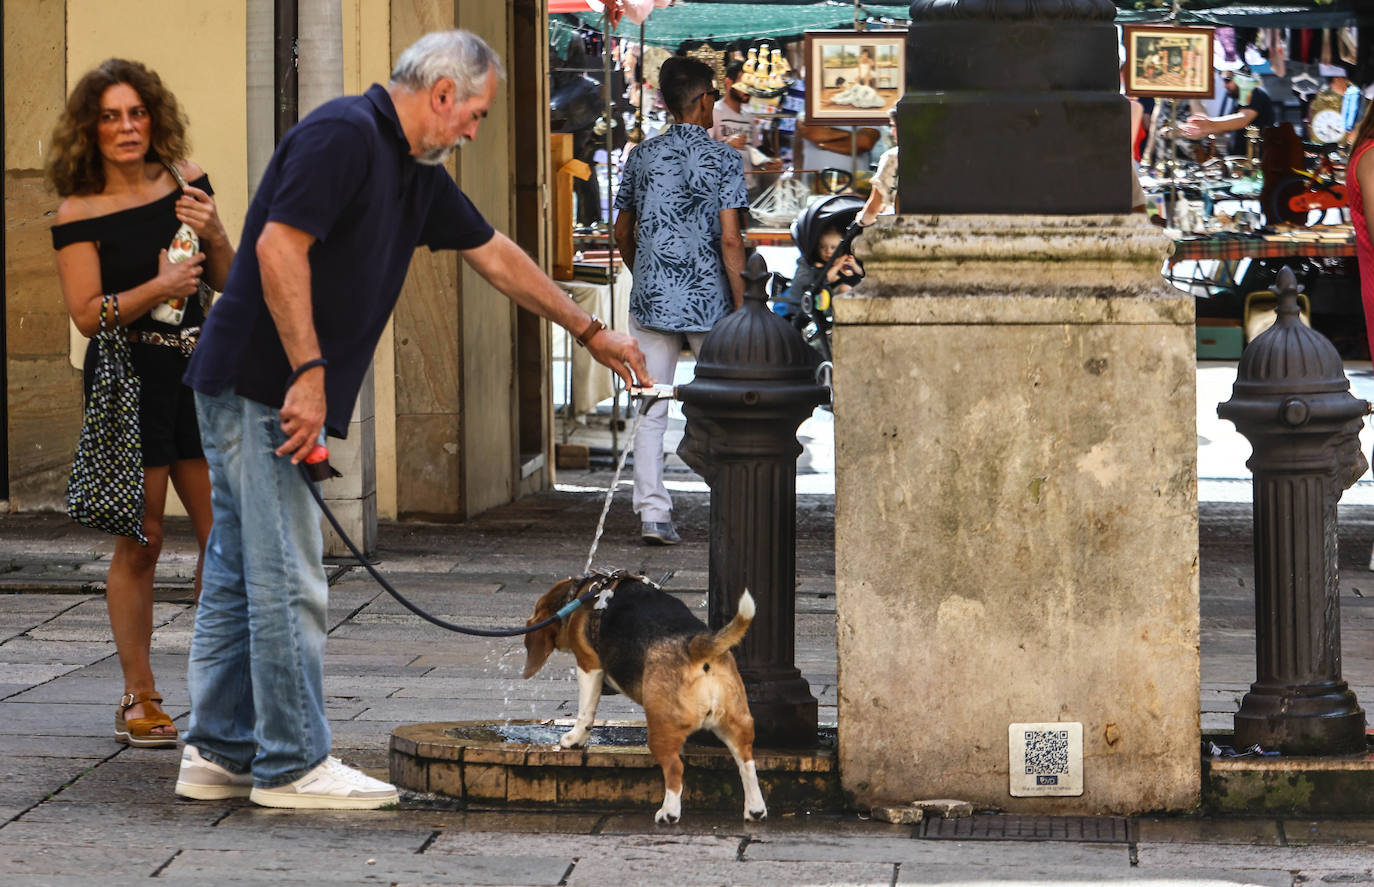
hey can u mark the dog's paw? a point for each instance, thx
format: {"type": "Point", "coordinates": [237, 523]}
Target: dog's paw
{"type": "Point", "coordinates": [671, 811]}
{"type": "Point", "coordinates": [758, 815]}
{"type": "Point", "coordinates": [574, 738]}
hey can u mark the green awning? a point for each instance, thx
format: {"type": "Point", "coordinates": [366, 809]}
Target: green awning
{"type": "Point", "coordinates": [721, 21]}
{"type": "Point", "coordinates": [727, 22]}
{"type": "Point", "coordinates": [1243, 13]}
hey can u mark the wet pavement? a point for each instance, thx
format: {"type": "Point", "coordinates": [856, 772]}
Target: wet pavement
{"type": "Point", "coordinates": [75, 806]}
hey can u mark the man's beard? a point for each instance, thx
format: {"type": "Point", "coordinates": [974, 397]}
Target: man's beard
{"type": "Point", "coordinates": [436, 156]}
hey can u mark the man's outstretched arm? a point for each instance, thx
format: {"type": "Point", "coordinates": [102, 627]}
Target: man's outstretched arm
{"type": "Point", "coordinates": [508, 268]}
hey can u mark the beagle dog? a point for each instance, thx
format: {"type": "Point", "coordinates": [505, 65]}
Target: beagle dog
{"type": "Point", "coordinates": [646, 644]}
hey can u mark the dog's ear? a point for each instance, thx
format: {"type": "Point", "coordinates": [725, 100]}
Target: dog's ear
{"type": "Point", "coordinates": [538, 647]}
{"type": "Point", "coordinates": [540, 644]}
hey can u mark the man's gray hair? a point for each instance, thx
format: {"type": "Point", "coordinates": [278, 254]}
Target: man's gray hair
{"type": "Point", "coordinates": [461, 56]}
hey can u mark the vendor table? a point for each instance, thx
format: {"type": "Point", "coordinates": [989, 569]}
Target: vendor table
{"type": "Point", "coordinates": [1231, 248]}
{"type": "Point", "coordinates": [592, 382]}
{"type": "Point", "coordinates": [770, 236]}
{"type": "Point", "coordinates": [1212, 265]}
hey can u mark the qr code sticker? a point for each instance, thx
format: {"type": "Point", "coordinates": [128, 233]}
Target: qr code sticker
{"type": "Point", "coordinates": [1047, 751]}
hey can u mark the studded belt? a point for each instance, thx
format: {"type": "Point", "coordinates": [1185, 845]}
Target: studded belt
{"type": "Point", "coordinates": [184, 340]}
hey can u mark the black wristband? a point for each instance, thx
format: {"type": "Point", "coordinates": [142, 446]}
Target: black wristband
{"type": "Point", "coordinates": [300, 370]}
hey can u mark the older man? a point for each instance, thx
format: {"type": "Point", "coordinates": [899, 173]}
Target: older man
{"type": "Point", "coordinates": [349, 194]}
{"type": "Point", "coordinates": [678, 228]}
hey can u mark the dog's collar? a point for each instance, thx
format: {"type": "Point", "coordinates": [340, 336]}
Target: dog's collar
{"type": "Point", "coordinates": [596, 584]}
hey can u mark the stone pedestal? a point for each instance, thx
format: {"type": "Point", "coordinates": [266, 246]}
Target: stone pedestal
{"type": "Point", "coordinates": [1016, 511]}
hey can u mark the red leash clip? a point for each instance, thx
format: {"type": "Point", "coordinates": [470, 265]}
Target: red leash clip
{"type": "Point", "coordinates": [317, 464]}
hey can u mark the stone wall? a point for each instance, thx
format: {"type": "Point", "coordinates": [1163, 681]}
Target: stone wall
{"type": "Point", "coordinates": [44, 396]}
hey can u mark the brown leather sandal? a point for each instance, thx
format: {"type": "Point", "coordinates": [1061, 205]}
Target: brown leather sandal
{"type": "Point", "coordinates": [138, 732]}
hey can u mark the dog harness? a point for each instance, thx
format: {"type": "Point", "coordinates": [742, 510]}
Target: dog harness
{"type": "Point", "coordinates": [604, 584]}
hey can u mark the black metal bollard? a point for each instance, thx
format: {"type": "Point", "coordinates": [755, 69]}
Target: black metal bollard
{"type": "Point", "coordinates": [755, 384]}
{"type": "Point", "coordinates": [1293, 401]}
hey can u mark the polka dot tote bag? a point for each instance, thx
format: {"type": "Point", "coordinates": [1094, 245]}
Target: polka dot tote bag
{"type": "Point", "coordinates": [106, 487]}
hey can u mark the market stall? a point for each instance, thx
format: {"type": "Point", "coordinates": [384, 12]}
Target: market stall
{"type": "Point", "coordinates": [1246, 194]}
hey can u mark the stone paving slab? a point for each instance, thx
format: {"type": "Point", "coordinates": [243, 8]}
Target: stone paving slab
{"type": "Point", "coordinates": [1352, 831]}
{"type": "Point", "coordinates": [981, 876]}
{"type": "Point", "coordinates": [113, 782]}
{"type": "Point", "coordinates": [1229, 856]}
{"type": "Point", "coordinates": [1208, 831]}
{"type": "Point", "coordinates": [449, 599]}
{"type": "Point", "coordinates": [28, 650]}
{"type": "Point", "coordinates": [928, 852]}
{"type": "Point", "coordinates": [44, 746]}
{"type": "Point", "coordinates": [599, 872]}
{"type": "Point", "coordinates": [59, 859]}
{"type": "Point", "coordinates": [101, 690]}
{"type": "Point", "coordinates": [633, 846]}
{"type": "Point", "coordinates": [250, 817]}
{"type": "Point", "coordinates": [357, 837]}
{"type": "Point", "coordinates": [74, 719]}
{"type": "Point", "coordinates": [298, 865]}
{"type": "Point", "coordinates": [30, 673]}
{"type": "Point", "coordinates": [164, 662]}
{"type": "Point", "coordinates": [167, 811]}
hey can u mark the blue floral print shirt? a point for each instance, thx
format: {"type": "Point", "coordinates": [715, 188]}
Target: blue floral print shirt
{"type": "Point", "coordinates": [677, 183]}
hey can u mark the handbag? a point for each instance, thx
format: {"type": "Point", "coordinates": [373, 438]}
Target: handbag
{"type": "Point", "coordinates": [105, 490]}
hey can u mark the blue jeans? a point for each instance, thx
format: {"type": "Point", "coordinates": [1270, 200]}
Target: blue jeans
{"type": "Point", "coordinates": [256, 671]}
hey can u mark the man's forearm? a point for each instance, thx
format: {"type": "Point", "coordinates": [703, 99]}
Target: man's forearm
{"type": "Point", "coordinates": [732, 252]}
{"type": "Point", "coordinates": [508, 268]}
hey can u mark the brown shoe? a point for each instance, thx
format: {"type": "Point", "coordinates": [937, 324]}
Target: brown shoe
{"type": "Point", "coordinates": [139, 732]}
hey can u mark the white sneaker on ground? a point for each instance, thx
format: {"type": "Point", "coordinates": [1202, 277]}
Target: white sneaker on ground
{"type": "Point", "coordinates": [332, 785]}
{"type": "Point", "coordinates": [205, 780]}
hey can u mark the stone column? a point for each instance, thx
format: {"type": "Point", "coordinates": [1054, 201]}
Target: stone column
{"type": "Point", "coordinates": [1016, 511]}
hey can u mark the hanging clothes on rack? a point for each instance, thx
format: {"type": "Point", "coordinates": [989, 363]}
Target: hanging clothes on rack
{"type": "Point", "coordinates": [1277, 38]}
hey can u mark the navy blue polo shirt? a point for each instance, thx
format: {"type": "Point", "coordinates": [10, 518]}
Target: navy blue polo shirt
{"type": "Point", "coordinates": [345, 175]}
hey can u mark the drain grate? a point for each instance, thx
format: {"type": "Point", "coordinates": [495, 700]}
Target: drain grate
{"type": "Point", "coordinates": [1012, 827]}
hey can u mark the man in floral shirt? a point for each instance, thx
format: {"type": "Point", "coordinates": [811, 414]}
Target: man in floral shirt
{"type": "Point", "coordinates": [678, 228]}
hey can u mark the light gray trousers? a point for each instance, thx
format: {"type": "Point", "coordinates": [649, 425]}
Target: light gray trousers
{"type": "Point", "coordinates": [661, 352]}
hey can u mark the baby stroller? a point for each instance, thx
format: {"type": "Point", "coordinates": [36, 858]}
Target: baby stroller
{"type": "Point", "coordinates": [806, 303]}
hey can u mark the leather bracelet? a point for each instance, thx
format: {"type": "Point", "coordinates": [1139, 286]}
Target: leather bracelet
{"type": "Point", "coordinates": [594, 327]}
{"type": "Point", "coordinates": [300, 370]}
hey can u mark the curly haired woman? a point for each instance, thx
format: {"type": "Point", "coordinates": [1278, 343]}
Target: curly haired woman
{"type": "Point", "coordinates": [111, 160]}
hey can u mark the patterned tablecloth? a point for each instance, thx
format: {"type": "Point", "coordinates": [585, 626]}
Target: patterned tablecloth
{"type": "Point", "coordinates": [1232, 247]}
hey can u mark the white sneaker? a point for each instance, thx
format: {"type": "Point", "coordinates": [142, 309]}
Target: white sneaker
{"type": "Point", "coordinates": [207, 781]}
{"type": "Point", "coordinates": [331, 786]}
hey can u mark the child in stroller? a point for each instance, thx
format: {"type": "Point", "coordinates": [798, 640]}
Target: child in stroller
{"type": "Point", "coordinates": [822, 232]}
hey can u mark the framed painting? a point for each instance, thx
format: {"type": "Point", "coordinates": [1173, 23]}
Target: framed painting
{"type": "Point", "coordinates": [1168, 62]}
{"type": "Point", "coordinates": [853, 78]}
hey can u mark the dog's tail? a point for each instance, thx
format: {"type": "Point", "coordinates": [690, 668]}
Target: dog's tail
{"type": "Point", "coordinates": [708, 646]}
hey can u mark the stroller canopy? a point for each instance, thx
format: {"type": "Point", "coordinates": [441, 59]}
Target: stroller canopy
{"type": "Point", "coordinates": [837, 211]}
